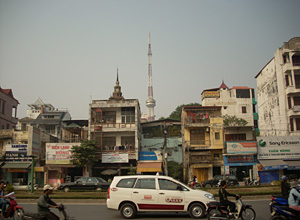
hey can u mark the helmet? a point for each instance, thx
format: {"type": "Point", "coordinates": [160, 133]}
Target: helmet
{"type": "Point", "coordinates": [284, 177]}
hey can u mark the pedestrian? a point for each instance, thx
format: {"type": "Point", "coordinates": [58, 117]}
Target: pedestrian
{"type": "Point", "coordinates": [45, 203]}
{"type": "Point", "coordinates": [285, 187]}
{"type": "Point", "coordinates": [3, 201]}
{"type": "Point", "coordinates": [294, 197]}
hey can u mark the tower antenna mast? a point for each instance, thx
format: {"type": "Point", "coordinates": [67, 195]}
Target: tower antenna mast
{"type": "Point", "coordinates": [150, 103]}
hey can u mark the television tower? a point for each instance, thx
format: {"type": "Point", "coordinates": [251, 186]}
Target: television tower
{"type": "Point", "coordinates": [150, 103]}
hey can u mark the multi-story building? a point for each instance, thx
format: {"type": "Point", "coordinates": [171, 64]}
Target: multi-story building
{"type": "Point", "coordinates": [202, 142]}
{"type": "Point", "coordinates": [8, 109]}
{"type": "Point", "coordinates": [115, 125]}
{"type": "Point", "coordinates": [159, 136]}
{"type": "Point", "coordinates": [278, 98]}
{"type": "Point", "coordinates": [240, 125]}
{"type": "Point", "coordinates": [52, 122]}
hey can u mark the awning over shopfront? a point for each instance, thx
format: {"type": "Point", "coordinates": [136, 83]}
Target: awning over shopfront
{"type": "Point", "coordinates": [293, 165]}
{"type": "Point", "coordinates": [16, 165]}
{"type": "Point", "coordinates": [149, 167]}
{"type": "Point", "coordinates": [273, 164]}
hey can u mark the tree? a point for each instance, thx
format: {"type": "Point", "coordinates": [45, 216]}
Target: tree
{"type": "Point", "coordinates": [85, 155]}
{"type": "Point", "coordinates": [175, 170]}
{"type": "Point", "coordinates": [233, 121]}
{"type": "Point", "coordinates": [176, 114]}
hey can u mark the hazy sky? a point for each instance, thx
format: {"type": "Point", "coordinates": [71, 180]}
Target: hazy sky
{"type": "Point", "coordinates": [67, 51]}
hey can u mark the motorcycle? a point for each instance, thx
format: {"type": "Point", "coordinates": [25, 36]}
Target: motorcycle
{"type": "Point", "coordinates": [284, 213]}
{"type": "Point", "coordinates": [277, 200]}
{"type": "Point", "coordinates": [217, 210]}
{"type": "Point", "coordinates": [13, 210]}
{"type": "Point", "coordinates": [35, 216]}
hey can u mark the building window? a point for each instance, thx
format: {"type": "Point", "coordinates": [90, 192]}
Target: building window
{"type": "Point", "coordinates": [287, 80]}
{"type": "Point", "coordinates": [128, 114]}
{"type": "Point", "coordinates": [243, 93]}
{"type": "Point", "coordinates": [3, 107]}
{"type": "Point", "coordinates": [235, 137]}
{"type": "Point", "coordinates": [292, 124]}
{"type": "Point", "coordinates": [217, 135]}
{"type": "Point", "coordinates": [109, 142]}
{"type": "Point", "coordinates": [298, 124]}
{"type": "Point", "coordinates": [289, 103]}
{"type": "Point", "coordinates": [297, 81]}
{"type": "Point", "coordinates": [197, 137]}
{"type": "Point", "coordinates": [296, 60]}
{"type": "Point", "coordinates": [216, 156]}
{"type": "Point", "coordinates": [50, 129]}
{"type": "Point", "coordinates": [244, 109]}
{"type": "Point", "coordinates": [296, 100]}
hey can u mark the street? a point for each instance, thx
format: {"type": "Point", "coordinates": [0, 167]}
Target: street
{"type": "Point", "coordinates": [99, 211]}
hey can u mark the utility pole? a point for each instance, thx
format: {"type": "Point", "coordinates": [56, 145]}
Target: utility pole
{"type": "Point", "coordinates": [165, 131]}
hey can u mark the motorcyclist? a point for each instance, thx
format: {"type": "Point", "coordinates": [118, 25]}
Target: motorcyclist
{"type": "Point", "coordinates": [3, 202]}
{"type": "Point", "coordinates": [294, 197]}
{"type": "Point", "coordinates": [223, 194]}
{"type": "Point", "coordinates": [285, 187]}
{"type": "Point", "coordinates": [45, 203]}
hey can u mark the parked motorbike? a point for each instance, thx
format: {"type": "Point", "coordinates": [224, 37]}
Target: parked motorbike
{"type": "Point", "coordinates": [249, 182]}
{"type": "Point", "coordinates": [13, 210]}
{"type": "Point", "coordinates": [35, 216]}
{"type": "Point", "coordinates": [284, 213]}
{"type": "Point", "coordinates": [217, 210]}
{"type": "Point", "coordinates": [277, 200]}
{"type": "Point", "coordinates": [35, 186]}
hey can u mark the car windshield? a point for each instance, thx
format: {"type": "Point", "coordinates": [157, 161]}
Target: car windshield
{"type": "Point", "coordinates": [100, 180]}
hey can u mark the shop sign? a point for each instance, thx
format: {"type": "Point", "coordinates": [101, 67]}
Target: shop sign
{"type": "Point", "coordinates": [244, 147]}
{"type": "Point", "coordinates": [150, 155]}
{"type": "Point", "coordinates": [282, 147]}
{"type": "Point", "coordinates": [240, 159]}
{"type": "Point", "coordinates": [17, 170]}
{"type": "Point", "coordinates": [16, 152]}
{"type": "Point", "coordinates": [59, 153]}
{"type": "Point", "coordinates": [115, 158]}
{"type": "Point", "coordinates": [211, 94]}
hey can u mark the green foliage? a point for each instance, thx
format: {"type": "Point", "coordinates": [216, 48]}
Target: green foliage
{"type": "Point", "coordinates": [175, 170]}
{"type": "Point", "coordinates": [233, 121]}
{"type": "Point", "coordinates": [85, 154]}
{"type": "Point", "coordinates": [176, 114]}
{"type": "Point", "coordinates": [9, 188]}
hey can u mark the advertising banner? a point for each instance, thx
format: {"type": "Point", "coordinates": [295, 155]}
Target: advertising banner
{"type": "Point", "coordinates": [115, 158]}
{"type": "Point", "coordinates": [282, 147]}
{"type": "Point", "coordinates": [244, 147]}
{"type": "Point", "coordinates": [59, 153]}
{"type": "Point", "coordinates": [16, 152]}
{"type": "Point", "coordinates": [150, 156]}
{"type": "Point", "coordinates": [33, 141]}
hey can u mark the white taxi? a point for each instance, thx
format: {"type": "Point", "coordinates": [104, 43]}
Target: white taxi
{"type": "Point", "coordinates": [150, 193]}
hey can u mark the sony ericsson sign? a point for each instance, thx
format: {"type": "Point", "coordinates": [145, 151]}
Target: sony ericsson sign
{"type": "Point", "coordinates": [282, 147]}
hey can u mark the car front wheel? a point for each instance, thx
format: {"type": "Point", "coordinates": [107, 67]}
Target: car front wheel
{"type": "Point", "coordinates": [128, 210]}
{"type": "Point", "coordinates": [196, 210]}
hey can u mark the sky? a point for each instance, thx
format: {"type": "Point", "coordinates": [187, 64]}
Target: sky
{"type": "Point", "coordinates": [67, 52]}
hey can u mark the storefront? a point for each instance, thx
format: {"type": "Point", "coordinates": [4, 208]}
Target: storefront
{"type": "Point", "coordinates": [150, 162]}
{"type": "Point", "coordinates": [18, 173]}
{"type": "Point", "coordinates": [58, 161]}
{"type": "Point", "coordinates": [278, 156]}
{"type": "Point", "coordinates": [240, 159]}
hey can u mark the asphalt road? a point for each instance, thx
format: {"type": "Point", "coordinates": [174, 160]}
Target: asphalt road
{"type": "Point", "coordinates": [94, 211]}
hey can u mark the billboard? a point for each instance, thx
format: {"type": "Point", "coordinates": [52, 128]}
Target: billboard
{"type": "Point", "coordinates": [115, 158]}
{"type": "Point", "coordinates": [16, 152]}
{"type": "Point", "coordinates": [33, 141]}
{"type": "Point", "coordinates": [278, 147]}
{"type": "Point", "coordinates": [150, 156]}
{"type": "Point", "coordinates": [244, 147]}
{"type": "Point", "coordinates": [59, 153]}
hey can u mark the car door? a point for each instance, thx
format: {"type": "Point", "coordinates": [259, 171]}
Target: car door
{"type": "Point", "coordinates": [170, 196]}
{"type": "Point", "coordinates": [91, 183]}
{"type": "Point", "coordinates": [80, 183]}
{"type": "Point", "coordinates": [145, 194]}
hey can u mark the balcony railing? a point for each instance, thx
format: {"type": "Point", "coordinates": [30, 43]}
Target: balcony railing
{"type": "Point", "coordinates": [200, 142]}
{"type": "Point", "coordinates": [101, 126]}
